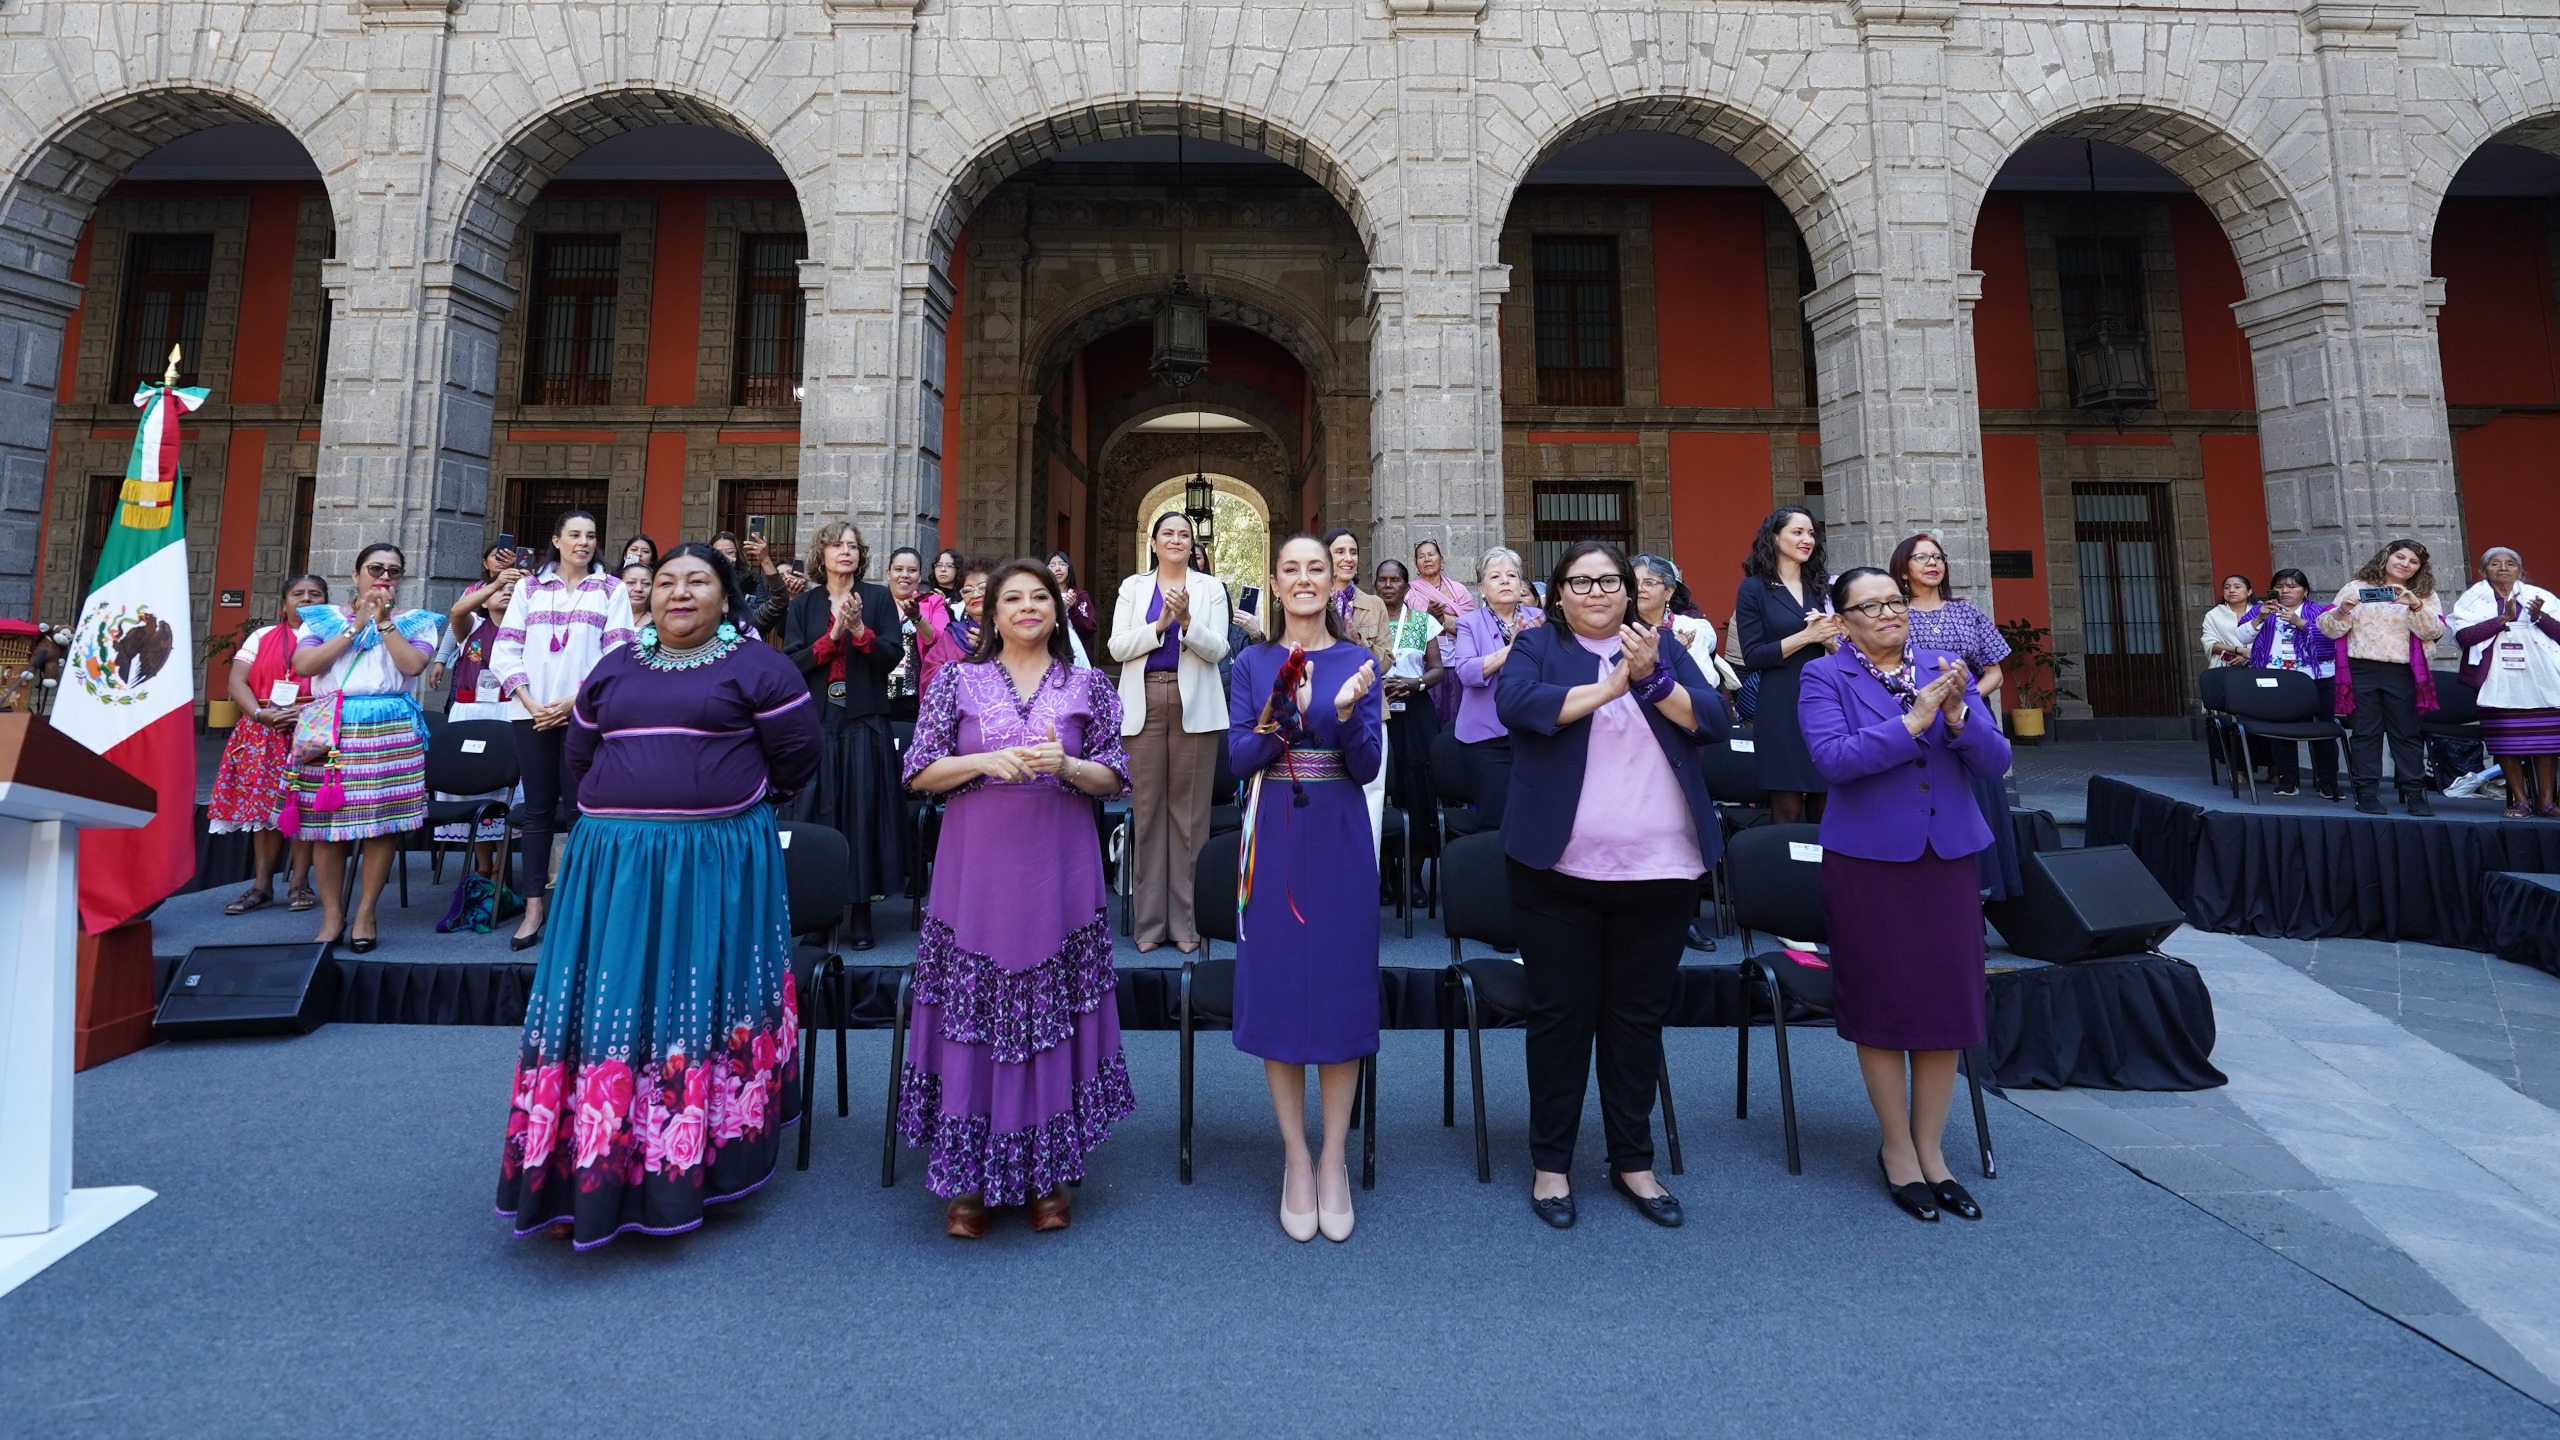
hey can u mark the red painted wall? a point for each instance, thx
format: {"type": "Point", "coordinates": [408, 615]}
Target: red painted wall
{"type": "Point", "coordinates": [266, 290]}
{"type": "Point", "coordinates": [1720, 491]}
{"type": "Point", "coordinates": [2499, 333]}
{"type": "Point", "coordinates": [235, 545]}
{"type": "Point", "coordinates": [1711, 298]}
{"type": "Point", "coordinates": [2510, 472]}
{"type": "Point", "coordinates": [675, 339]}
{"type": "Point", "coordinates": [2235, 508]}
{"type": "Point", "coordinates": [2219, 375]}
{"type": "Point", "coordinates": [2004, 343]}
{"type": "Point", "coordinates": [2013, 491]}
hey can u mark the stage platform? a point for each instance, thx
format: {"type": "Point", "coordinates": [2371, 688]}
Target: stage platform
{"type": "Point", "coordinates": [2304, 868]}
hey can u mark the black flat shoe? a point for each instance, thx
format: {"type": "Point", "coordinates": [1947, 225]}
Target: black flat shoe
{"type": "Point", "coordinates": [1915, 1199]}
{"type": "Point", "coordinates": [1699, 941]}
{"type": "Point", "coordinates": [1953, 1197]}
{"type": "Point", "coordinates": [2369, 805]}
{"type": "Point", "coordinates": [363, 945]}
{"type": "Point", "coordinates": [861, 928]}
{"type": "Point", "coordinates": [1558, 1212]}
{"type": "Point", "coordinates": [2416, 803]}
{"type": "Point", "coordinates": [524, 942]}
{"type": "Point", "coordinates": [1662, 1209]}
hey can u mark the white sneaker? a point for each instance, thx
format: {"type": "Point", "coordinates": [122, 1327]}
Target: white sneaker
{"type": "Point", "coordinates": [2468, 784]}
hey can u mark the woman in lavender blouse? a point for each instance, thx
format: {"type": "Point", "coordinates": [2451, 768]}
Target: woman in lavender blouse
{"type": "Point", "coordinates": [1482, 647]}
{"type": "Point", "coordinates": [1940, 621]}
{"type": "Point", "coordinates": [661, 1040]}
{"type": "Point", "coordinates": [1014, 1073]}
{"type": "Point", "coordinates": [1886, 721]}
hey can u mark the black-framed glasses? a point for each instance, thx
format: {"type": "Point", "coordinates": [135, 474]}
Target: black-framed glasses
{"type": "Point", "coordinates": [1605, 584]}
{"type": "Point", "coordinates": [385, 572]}
{"type": "Point", "coordinates": [1878, 609]}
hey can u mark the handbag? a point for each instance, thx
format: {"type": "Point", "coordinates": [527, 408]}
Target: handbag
{"type": "Point", "coordinates": [480, 905]}
{"type": "Point", "coordinates": [315, 742]}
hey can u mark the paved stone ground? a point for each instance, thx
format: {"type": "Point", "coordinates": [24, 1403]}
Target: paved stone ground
{"type": "Point", "coordinates": [2503, 1018]}
{"type": "Point", "coordinates": [2055, 776]}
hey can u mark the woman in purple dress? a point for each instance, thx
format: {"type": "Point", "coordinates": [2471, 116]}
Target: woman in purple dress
{"type": "Point", "coordinates": [1303, 730]}
{"type": "Point", "coordinates": [1014, 1073]}
{"type": "Point", "coordinates": [1940, 621]}
{"type": "Point", "coordinates": [1883, 721]}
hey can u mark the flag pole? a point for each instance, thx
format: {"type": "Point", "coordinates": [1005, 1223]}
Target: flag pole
{"type": "Point", "coordinates": [171, 378]}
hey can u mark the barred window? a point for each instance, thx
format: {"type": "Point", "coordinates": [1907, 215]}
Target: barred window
{"type": "Point", "coordinates": [1570, 511]}
{"type": "Point", "coordinates": [166, 279]}
{"type": "Point", "coordinates": [1576, 283]}
{"type": "Point", "coordinates": [569, 340]}
{"type": "Point", "coordinates": [770, 333]}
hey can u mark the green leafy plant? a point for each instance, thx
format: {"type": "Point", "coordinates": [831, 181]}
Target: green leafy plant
{"type": "Point", "coordinates": [2034, 671]}
{"type": "Point", "coordinates": [218, 646]}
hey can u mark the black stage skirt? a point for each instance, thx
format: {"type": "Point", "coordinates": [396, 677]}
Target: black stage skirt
{"type": "Point", "coordinates": [857, 794]}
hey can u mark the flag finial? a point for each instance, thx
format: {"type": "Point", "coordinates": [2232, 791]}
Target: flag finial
{"type": "Point", "coordinates": [172, 377]}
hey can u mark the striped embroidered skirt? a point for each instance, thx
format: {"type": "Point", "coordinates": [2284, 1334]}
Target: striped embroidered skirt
{"type": "Point", "coordinates": [382, 767]}
{"type": "Point", "coordinates": [2520, 732]}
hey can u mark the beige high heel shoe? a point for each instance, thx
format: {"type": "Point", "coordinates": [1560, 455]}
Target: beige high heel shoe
{"type": "Point", "coordinates": [1298, 1225]}
{"type": "Point", "coordinates": [1336, 1224]}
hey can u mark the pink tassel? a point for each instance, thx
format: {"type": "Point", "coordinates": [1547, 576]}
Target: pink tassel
{"type": "Point", "coordinates": [331, 795]}
{"type": "Point", "coordinates": [289, 819]}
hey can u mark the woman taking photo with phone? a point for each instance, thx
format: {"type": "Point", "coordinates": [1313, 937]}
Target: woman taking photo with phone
{"type": "Point", "coordinates": [844, 635]}
{"type": "Point", "coordinates": [1168, 632]}
{"type": "Point", "coordinates": [2509, 634]}
{"type": "Point", "coordinates": [257, 760]}
{"type": "Point", "coordinates": [1782, 617]}
{"type": "Point", "coordinates": [1886, 721]}
{"type": "Point", "coordinates": [1486, 635]}
{"type": "Point", "coordinates": [564, 618]}
{"type": "Point", "coordinates": [2286, 636]}
{"type": "Point", "coordinates": [364, 661]}
{"type": "Point", "coordinates": [2387, 617]}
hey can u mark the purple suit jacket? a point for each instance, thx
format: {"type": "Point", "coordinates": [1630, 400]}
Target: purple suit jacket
{"type": "Point", "coordinates": [1477, 637]}
{"type": "Point", "coordinates": [1894, 794]}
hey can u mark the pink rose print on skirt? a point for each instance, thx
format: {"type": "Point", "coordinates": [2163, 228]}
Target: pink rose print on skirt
{"type": "Point", "coordinates": [604, 1103]}
{"type": "Point", "coordinates": [538, 1094]}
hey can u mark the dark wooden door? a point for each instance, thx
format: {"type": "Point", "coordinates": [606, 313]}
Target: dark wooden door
{"type": "Point", "coordinates": [2128, 614]}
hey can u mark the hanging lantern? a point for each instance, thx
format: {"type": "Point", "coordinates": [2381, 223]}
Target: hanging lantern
{"type": "Point", "coordinates": [1196, 494]}
{"type": "Point", "coordinates": [2111, 371]}
{"type": "Point", "coordinates": [1204, 528]}
{"type": "Point", "coordinates": [1182, 337]}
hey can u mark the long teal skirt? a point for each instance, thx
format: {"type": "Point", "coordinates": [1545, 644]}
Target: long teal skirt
{"type": "Point", "coordinates": [661, 1042]}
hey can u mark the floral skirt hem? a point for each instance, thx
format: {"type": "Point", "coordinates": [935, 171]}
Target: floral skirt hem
{"type": "Point", "coordinates": [1011, 1168]}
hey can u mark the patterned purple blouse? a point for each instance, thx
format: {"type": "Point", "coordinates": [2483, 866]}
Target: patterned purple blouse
{"type": "Point", "coordinates": [1959, 628]}
{"type": "Point", "coordinates": [972, 708]}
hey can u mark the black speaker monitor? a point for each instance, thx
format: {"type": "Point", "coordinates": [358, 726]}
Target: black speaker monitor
{"type": "Point", "coordinates": [226, 990]}
{"type": "Point", "coordinates": [2085, 905]}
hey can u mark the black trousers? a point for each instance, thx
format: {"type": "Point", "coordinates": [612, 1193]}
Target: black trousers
{"type": "Point", "coordinates": [539, 756]}
{"type": "Point", "coordinates": [1603, 960]}
{"type": "Point", "coordinates": [1489, 777]}
{"type": "Point", "coordinates": [2287, 756]}
{"type": "Point", "coordinates": [2386, 703]}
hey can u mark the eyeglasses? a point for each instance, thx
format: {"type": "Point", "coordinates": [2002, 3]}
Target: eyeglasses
{"type": "Point", "coordinates": [385, 572]}
{"type": "Point", "coordinates": [1927, 557]}
{"type": "Point", "coordinates": [1878, 609]}
{"type": "Point", "coordinates": [1605, 584]}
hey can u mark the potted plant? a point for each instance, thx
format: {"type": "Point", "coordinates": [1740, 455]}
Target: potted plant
{"type": "Point", "coordinates": [217, 648]}
{"type": "Point", "coordinates": [2034, 676]}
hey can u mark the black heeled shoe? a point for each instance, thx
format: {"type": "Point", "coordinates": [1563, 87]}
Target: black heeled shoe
{"type": "Point", "coordinates": [1557, 1212]}
{"type": "Point", "coordinates": [1662, 1209]}
{"type": "Point", "coordinates": [861, 928]}
{"type": "Point", "coordinates": [1954, 1197]}
{"type": "Point", "coordinates": [1915, 1199]}
{"type": "Point", "coordinates": [524, 942]}
{"type": "Point", "coordinates": [363, 944]}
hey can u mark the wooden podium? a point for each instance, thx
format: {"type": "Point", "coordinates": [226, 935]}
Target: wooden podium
{"type": "Point", "coordinates": [51, 788]}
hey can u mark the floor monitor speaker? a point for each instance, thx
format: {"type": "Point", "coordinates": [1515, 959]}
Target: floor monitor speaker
{"type": "Point", "coordinates": [224, 990]}
{"type": "Point", "coordinates": [2085, 905]}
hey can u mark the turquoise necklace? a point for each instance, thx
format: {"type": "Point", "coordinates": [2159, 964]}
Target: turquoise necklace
{"type": "Point", "coordinates": [710, 651]}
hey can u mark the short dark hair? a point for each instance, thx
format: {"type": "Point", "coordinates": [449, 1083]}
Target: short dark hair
{"type": "Point", "coordinates": [292, 580]}
{"type": "Point", "coordinates": [1898, 565]}
{"type": "Point", "coordinates": [697, 550]}
{"type": "Point", "coordinates": [1382, 565]}
{"type": "Point", "coordinates": [1762, 563]}
{"type": "Point", "coordinates": [1841, 582]}
{"type": "Point", "coordinates": [1618, 558]}
{"type": "Point", "coordinates": [990, 644]}
{"type": "Point", "coordinates": [2288, 573]}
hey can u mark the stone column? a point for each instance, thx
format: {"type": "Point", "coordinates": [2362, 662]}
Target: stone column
{"type": "Point", "coordinates": [1436, 286]}
{"type": "Point", "coordinates": [2351, 422]}
{"type": "Point", "coordinates": [34, 306]}
{"type": "Point", "coordinates": [1901, 421]}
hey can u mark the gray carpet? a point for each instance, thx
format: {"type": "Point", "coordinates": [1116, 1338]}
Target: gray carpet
{"type": "Point", "coordinates": [322, 1258]}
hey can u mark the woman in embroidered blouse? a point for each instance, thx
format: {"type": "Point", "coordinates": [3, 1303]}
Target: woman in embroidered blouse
{"type": "Point", "coordinates": [1303, 729]}
{"type": "Point", "coordinates": [2389, 683]}
{"type": "Point", "coordinates": [471, 640]}
{"type": "Point", "coordinates": [1444, 598]}
{"type": "Point", "coordinates": [1014, 1072]}
{"type": "Point", "coordinates": [845, 636]}
{"type": "Point", "coordinates": [564, 618]}
{"type": "Point", "coordinates": [371, 658]}
{"type": "Point", "coordinates": [1483, 646]}
{"type": "Point", "coordinates": [2509, 631]}
{"type": "Point", "coordinates": [1940, 621]}
{"type": "Point", "coordinates": [257, 759]}
{"type": "Point", "coordinates": [2286, 635]}
{"type": "Point", "coordinates": [2226, 633]}
{"type": "Point", "coordinates": [661, 1041]}
{"type": "Point", "coordinates": [1413, 667]}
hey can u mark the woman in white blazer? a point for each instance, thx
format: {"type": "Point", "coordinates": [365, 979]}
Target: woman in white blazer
{"type": "Point", "coordinates": [1168, 632]}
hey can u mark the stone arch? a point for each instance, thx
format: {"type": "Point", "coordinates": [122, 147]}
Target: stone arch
{"type": "Point", "coordinates": [1118, 501]}
{"type": "Point", "coordinates": [2437, 164]}
{"type": "Point", "coordinates": [2261, 214]}
{"type": "Point", "coordinates": [1136, 301]}
{"type": "Point", "coordinates": [1257, 408]}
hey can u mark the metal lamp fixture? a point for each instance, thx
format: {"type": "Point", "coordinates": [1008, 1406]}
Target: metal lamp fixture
{"type": "Point", "coordinates": [2111, 370]}
{"type": "Point", "coordinates": [1182, 323]}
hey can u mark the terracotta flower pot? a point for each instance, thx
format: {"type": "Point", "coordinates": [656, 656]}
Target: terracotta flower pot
{"type": "Point", "coordinates": [2026, 724]}
{"type": "Point", "coordinates": [220, 714]}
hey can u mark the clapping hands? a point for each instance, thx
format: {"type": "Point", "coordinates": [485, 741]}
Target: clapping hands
{"type": "Point", "coordinates": [1348, 697]}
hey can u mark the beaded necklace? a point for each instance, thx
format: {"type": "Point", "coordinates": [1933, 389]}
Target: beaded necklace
{"type": "Point", "coordinates": [659, 658]}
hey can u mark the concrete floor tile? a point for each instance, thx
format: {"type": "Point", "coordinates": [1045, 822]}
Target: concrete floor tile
{"type": "Point", "coordinates": [2492, 1233]}
{"type": "Point", "coordinates": [2469, 1044]}
{"type": "Point", "coordinates": [2297, 1119]}
{"type": "Point", "coordinates": [2204, 1125]}
{"type": "Point", "coordinates": [2186, 1169]}
{"type": "Point", "coordinates": [2268, 1163]}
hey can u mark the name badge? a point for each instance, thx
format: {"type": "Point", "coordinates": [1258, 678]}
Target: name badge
{"type": "Point", "coordinates": [283, 693]}
{"type": "Point", "coordinates": [2511, 654]}
{"type": "Point", "coordinates": [2266, 682]}
{"type": "Point", "coordinates": [474, 747]}
{"type": "Point", "coordinates": [1744, 747]}
{"type": "Point", "coordinates": [1798, 850]}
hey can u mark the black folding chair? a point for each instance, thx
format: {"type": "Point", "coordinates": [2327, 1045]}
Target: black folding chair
{"type": "Point", "coordinates": [1226, 797]}
{"type": "Point", "coordinates": [2457, 713]}
{"type": "Point", "coordinates": [1731, 770]}
{"type": "Point", "coordinates": [1777, 876]}
{"type": "Point", "coordinates": [2213, 690]}
{"type": "Point", "coordinates": [1454, 789]}
{"type": "Point", "coordinates": [815, 864]}
{"type": "Point", "coordinates": [468, 757]}
{"type": "Point", "coordinates": [2278, 705]}
{"type": "Point", "coordinates": [1479, 909]}
{"type": "Point", "coordinates": [1208, 997]}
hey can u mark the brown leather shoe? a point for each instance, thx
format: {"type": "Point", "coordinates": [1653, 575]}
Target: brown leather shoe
{"type": "Point", "coordinates": [1049, 1212]}
{"type": "Point", "coordinates": [966, 1218]}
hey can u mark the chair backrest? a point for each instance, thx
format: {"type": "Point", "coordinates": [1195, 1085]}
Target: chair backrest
{"type": "Point", "coordinates": [1733, 775]}
{"type": "Point", "coordinates": [2456, 703]}
{"type": "Point", "coordinates": [2212, 686]}
{"type": "Point", "coordinates": [816, 870]}
{"type": "Point", "coordinates": [1223, 786]}
{"type": "Point", "coordinates": [471, 757]}
{"type": "Point", "coordinates": [1449, 778]}
{"type": "Point", "coordinates": [902, 733]}
{"type": "Point", "coordinates": [1777, 881]}
{"type": "Point", "coordinates": [1213, 887]}
{"type": "Point", "coordinates": [2279, 697]}
{"type": "Point", "coordinates": [1475, 892]}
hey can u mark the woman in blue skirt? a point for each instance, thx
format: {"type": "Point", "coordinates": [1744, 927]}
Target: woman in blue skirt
{"type": "Point", "coordinates": [660, 1050]}
{"type": "Point", "coordinates": [1304, 732]}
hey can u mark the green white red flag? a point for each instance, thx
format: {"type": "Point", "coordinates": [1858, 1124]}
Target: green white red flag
{"type": "Point", "coordinates": [128, 686]}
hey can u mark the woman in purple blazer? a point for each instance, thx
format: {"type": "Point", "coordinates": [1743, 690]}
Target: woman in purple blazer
{"type": "Point", "coordinates": [1482, 647]}
{"type": "Point", "coordinates": [1900, 735]}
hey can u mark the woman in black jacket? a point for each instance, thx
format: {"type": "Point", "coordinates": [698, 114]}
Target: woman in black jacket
{"type": "Point", "coordinates": [845, 637]}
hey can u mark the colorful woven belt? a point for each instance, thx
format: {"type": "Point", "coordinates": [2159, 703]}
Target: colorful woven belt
{"type": "Point", "coordinates": [1303, 765]}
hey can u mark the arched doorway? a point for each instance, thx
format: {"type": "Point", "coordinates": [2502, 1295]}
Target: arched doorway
{"type": "Point", "coordinates": [1240, 552]}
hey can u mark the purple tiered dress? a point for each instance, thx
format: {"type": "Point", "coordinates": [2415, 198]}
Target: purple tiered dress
{"type": "Point", "coordinates": [1014, 1071]}
{"type": "Point", "coordinates": [1307, 956]}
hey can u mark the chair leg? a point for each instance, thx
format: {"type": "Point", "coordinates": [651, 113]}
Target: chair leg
{"type": "Point", "coordinates": [1981, 1117]}
{"type": "Point", "coordinates": [844, 1002]}
{"type": "Point", "coordinates": [1742, 1046]}
{"type": "Point", "coordinates": [897, 1082]}
{"type": "Point", "coordinates": [1448, 1071]}
{"type": "Point", "coordinates": [1670, 1119]}
{"type": "Point", "coordinates": [400, 862]}
{"type": "Point", "coordinates": [1185, 1028]}
{"type": "Point", "coordinates": [1786, 1076]}
{"type": "Point", "coordinates": [1409, 867]}
{"type": "Point", "coordinates": [808, 1077]}
{"type": "Point", "coordinates": [1369, 1125]}
{"type": "Point", "coordinates": [1475, 1069]}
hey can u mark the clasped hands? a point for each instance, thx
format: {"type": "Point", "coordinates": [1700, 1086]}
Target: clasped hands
{"type": "Point", "coordinates": [1640, 654]}
{"type": "Point", "coordinates": [1017, 763]}
{"type": "Point", "coordinates": [1943, 695]}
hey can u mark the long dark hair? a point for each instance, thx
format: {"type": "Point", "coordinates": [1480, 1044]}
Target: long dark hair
{"type": "Point", "coordinates": [1626, 569]}
{"type": "Point", "coordinates": [640, 539]}
{"type": "Point", "coordinates": [1155, 561]}
{"type": "Point", "coordinates": [1763, 561]}
{"type": "Point", "coordinates": [1898, 566]}
{"type": "Point", "coordinates": [2421, 584]}
{"type": "Point", "coordinates": [1333, 625]}
{"type": "Point", "coordinates": [959, 572]}
{"type": "Point", "coordinates": [990, 644]}
{"type": "Point", "coordinates": [376, 548]}
{"type": "Point", "coordinates": [1072, 582]}
{"type": "Point", "coordinates": [551, 560]}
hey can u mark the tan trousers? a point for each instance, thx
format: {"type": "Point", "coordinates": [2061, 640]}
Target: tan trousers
{"type": "Point", "coordinates": [1169, 774]}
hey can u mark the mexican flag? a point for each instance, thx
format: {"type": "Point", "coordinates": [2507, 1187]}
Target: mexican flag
{"type": "Point", "coordinates": [128, 686]}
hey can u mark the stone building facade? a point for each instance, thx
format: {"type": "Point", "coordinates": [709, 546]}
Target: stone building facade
{"type": "Point", "coordinates": [2322, 139]}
